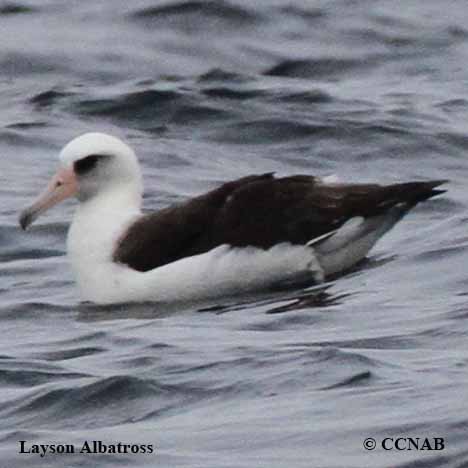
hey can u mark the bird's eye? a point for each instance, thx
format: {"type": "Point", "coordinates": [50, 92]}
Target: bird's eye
{"type": "Point", "coordinates": [86, 164]}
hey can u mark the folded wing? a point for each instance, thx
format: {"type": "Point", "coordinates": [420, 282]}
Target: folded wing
{"type": "Point", "coordinates": [260, 211]}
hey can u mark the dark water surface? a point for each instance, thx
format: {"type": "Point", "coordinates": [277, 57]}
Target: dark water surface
{"type": "Point", "coordinates": [206, 91]}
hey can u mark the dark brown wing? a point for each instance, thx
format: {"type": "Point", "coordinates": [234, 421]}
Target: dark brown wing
{"type": "Point", "coordinates": [173, 233]}
{"type": "Point", "coordinates": [259, 211]}
{"type": "Point", "coordinates": [298, 209]}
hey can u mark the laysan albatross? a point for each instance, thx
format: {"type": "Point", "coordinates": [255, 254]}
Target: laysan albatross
{"type": "Point", "coordinates": [248, 234]}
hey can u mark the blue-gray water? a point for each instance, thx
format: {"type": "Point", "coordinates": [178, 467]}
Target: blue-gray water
{"type": "Point", "coordinates": [206, 91]}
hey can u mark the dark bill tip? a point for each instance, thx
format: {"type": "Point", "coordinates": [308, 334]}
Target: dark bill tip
{"type": "Point", "coordinates": [26, 218]}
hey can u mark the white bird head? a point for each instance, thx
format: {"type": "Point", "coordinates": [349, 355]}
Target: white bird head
{"type": "Point", "coordinates": [91, 165]}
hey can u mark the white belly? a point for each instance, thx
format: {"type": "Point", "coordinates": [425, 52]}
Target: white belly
{"type": "Point", "coordinates": [219, 272]}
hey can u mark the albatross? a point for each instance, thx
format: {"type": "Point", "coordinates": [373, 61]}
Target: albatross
{"type": "Point", "coordinates": [253, 233]}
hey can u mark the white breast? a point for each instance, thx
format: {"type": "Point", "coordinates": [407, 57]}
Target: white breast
{"type": "Point", "coordinates": [96, 228]}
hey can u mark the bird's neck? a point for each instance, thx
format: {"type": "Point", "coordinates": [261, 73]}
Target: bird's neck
{"type": "Point", "coordinates": [97, 225]}
{"type": "Point", "coordinates": [116, 200]}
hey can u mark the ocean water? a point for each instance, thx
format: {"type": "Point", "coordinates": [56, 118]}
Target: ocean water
{"type": "Point", "coordinates": [206, 91]}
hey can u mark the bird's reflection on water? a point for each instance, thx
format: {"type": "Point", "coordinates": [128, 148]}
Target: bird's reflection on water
{"type": "Point", "coordinates": [314, 297]}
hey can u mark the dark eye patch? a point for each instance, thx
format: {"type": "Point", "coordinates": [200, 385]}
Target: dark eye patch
{"type": "Point", "coordinates": [87, 164]}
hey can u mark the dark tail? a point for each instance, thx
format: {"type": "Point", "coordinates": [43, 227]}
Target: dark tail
{"type": "Point", "coordinates": [411, 193]}
{"type": "Point", "coordinates": [419, 191]}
